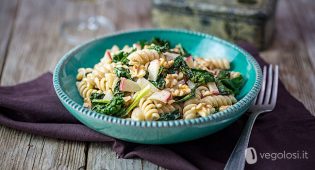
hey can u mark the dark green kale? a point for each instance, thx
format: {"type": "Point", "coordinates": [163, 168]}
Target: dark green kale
{"type": "Point", "coordinates": [156, 42]}
{"type": "Point", "coordinates": [223, 74]}
{"type": "Point", "coordinates": [160, 82]}
{"type": "Point", "coordinates": [160, 49]}
{"type": "Point", "coordinates": [194, 75]}
{"type": "Point", "coordinates": [226, 85]}
{"type": "Point", "coordinates": [122, 72]}
{"type": "Point", "coordinates": [116, 91]}
{"type": "Point", "coordinates": [170, 116]}
{"type": "Point", "coordinates": [201, 76]}
{"type": "Point", "coordinates": [121, 56]}
{"type": "Point", "coordinates": [185, 98]}
{"type": "Point", "coordinates": [97, 98]}
{"type": "Point", "coordinates": [223, 89]}
{"type": "Point", "coordinates": [114, 107]}
{"type": "Point", "coordinates": [181, 65]}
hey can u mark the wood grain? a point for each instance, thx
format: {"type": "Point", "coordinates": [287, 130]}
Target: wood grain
{"type": "Point", "coordinates": [8, 9]}
{"type": "Point", "coordinates": [35, 48]}
{"type": "Point", "coordinates": [290, 51]}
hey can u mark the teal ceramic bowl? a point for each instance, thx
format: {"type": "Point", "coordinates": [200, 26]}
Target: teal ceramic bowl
{"type": "Point", "coordinates": [152, 132]}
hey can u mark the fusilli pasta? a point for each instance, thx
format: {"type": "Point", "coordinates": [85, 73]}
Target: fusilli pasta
{"type": "Point", "coordinates": [153, 82]}
{"type": "Point", "coordinates": [142, 57]}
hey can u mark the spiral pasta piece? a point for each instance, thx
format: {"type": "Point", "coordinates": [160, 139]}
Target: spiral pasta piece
{"type": "Point", "coordinates": [189, 111]}
{"type": "Point", "coordinates": [137, 114]}
{"type": "Point", "coordinates": [202, 91]}
{"type": "Point", "coordinates": [142, 57]}
{"type": "Point", "coordinates": [82, 72]}
{"type": "Point", "coordinates": [219, 64]}
{"type": "Point", "coordinates": [100, 69]}
{"type": "Point", "coordinates": [219, 100]}
{"type": "Point", "coordinates": [108, 82]}
{"type": "Point", "coordinates": [167, 108]}
{"type": "Point", "coordinates": [149, 109]}
{"type": "Point", "coordinates": [210, 64]}
{"type": "Point", "coordinates": [85, 90]}
{"type": "Point", "coordinates": [194, 110]}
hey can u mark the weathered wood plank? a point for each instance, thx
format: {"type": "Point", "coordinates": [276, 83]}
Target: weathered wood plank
{"type": "Point", "coordinates": [305, 17]}
{"type": "Point", "coordinates": [35, 48]}
{"type": "Point", "coordinates": [291, 53]}
{"type": "Point", "coordinates": [104, 158]}
{"type": "Point", "coordinates": [8, 10]}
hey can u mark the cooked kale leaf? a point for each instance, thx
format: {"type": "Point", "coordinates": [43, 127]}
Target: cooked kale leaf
{"type": "Point", "coordinates": [122, 72]}
{"type": "Point", "coordinates": [155, 41]}
{"type": "Point", "coordinates": [223, 89]}
{"type": "Point", "coordinates": [226, 85]}
{"type": "Point", "coordinates": [170, 116]}
{"type": "Point", "coordinates": [194, 75]}
{"type": "Point", "coordinates": [223, 74]}
{"type": "Point", "coordinates": [116, 91]}
{"type": "Point", "coordinates": [160, 49]}
{"type": "Point", "coordinates": [201, 76]}
{"type": "Point", "coordinates": [160, 82]}
{"type": "Point", "coordinates": [181, 65]}
{"type": "Point", "coordinates": [187, 97]}
{"type": "Point", "coordinates": [121, 56]}
{"type": "Point", "coordinates": [114, 107]}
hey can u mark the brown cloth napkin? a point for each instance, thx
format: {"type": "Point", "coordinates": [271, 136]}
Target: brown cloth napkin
{"type": "Point", "coordinates": [287, 131]}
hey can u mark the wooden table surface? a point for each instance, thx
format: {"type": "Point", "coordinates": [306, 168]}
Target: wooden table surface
{"type": "Point", "coordinates": [30, 45]}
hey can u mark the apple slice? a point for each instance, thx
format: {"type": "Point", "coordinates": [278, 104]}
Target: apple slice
{"type": "Point", "coordinates": [170, 56]}
{"type": "Point", "coordinates": [108, 95]}
{"type": "Point", "coordinates": [213, 88]}
{"type": "Point", "coordinates": [163, 96]}
{"type": "Point", "coordinates": [191, 84]}
{"type": "Point", "coordinates": [190, 62]}
{"type": "Point", "coordinates": [107, 57]}
{"type": "Point", "coordinates": [153, 70]}
{"type": "Point", "coordinates": [128, 85]}
{"type": "Point", "coordinates": [142, 82]}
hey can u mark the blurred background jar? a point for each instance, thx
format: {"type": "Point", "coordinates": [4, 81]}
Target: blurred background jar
{"type": "Point", "coordinates": [234, 20]}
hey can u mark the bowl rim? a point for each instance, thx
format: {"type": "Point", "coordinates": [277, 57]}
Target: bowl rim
{"type": "Point", "coordinates": [230, 112]}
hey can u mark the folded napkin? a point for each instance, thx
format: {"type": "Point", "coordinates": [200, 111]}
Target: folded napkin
{"type": "Point", "coordinates": [289, 130]}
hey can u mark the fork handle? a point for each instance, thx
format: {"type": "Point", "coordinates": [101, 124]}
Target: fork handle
{"type": "Point", "coordinates": [237, 158]}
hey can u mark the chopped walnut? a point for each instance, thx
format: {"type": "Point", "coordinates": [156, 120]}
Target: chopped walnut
{"type": "Point", "coordinates": [138, 70]}
{"type": "Point", "coordinates": [171, 80]}
{"type": "Point", "coordinates": [181, 90]}
{"type": "Point", "coordinates": [165, 63]}
{"type": "Point", "coordinates": [204, 109]}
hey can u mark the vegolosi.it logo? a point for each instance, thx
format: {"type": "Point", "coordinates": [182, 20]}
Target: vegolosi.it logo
{"type": "Point", "coordinates": [251, 155]}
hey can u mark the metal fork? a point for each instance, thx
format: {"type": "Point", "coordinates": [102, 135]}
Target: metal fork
{"type": "Point", "coordinates": [262, 104]}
